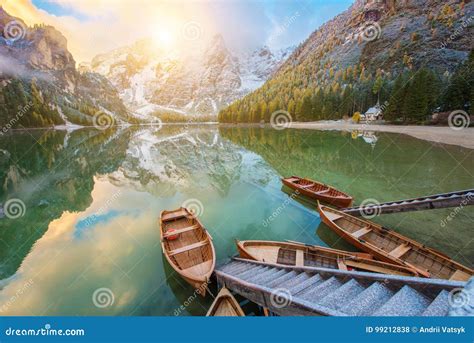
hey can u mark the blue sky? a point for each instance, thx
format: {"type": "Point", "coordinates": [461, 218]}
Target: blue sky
{"type": "Point", "coordinates": [57, 9]}
{"type": "Point", "coordinates": [94, 26]}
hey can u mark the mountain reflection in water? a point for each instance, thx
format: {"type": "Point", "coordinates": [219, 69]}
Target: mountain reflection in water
{"type": "Point", "coordinates": [93, 198]}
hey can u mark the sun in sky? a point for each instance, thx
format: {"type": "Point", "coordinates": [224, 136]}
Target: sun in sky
{"type": "Point", "coordinates": [163, 37]}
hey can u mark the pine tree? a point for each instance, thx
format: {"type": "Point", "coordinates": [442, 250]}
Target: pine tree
{"type": "Point", "coordinates": [396, 100]}
{"type": "Point", "coordinates": [458, 94]}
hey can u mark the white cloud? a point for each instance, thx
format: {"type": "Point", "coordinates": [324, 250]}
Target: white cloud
{"type": "Point", "coordinates": [107, 24]}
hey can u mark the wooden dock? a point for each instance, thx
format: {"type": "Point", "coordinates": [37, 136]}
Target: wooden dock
{"type": "Point", "coordinates": [290, 291]}
{"type": "Point", "coordinates": [431, 202]}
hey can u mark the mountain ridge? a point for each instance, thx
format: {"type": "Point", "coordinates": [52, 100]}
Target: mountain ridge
{"type": "Point", "coordinates": [40, 85]}
{"type": "Point", "coordinates": [198, 83]}
{"type": "Point", "coordinates": [352, 62]}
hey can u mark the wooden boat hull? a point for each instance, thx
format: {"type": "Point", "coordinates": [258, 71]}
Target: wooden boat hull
{"type": "Point", "coordinates": [302, 255]}
{"type": "Point", "coordinates": [187, 247]}
{"type": "Point", "coordinates": [319, 191]}
{"type": "Point", "coordinates": [225, 305]}
{"type": "Point", "coordinates": [396, 249]}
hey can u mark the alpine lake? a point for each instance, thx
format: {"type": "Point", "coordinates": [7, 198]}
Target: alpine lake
{"type": "Point", "coordinates": [92, 200]}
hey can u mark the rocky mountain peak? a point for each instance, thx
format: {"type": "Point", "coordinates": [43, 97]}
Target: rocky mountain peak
{"type": "Point", "coordinates": [36, 59]}
{"type": "Point", "coordinates": [153, 83]}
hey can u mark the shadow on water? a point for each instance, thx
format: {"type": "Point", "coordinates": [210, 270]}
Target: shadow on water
{"type": "Point", "coordinates": [190, 302]}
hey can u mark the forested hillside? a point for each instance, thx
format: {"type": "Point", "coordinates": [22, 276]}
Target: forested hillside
{"type": "Point", "coordinates": [411, 56]}
{"type": "Point", "coordinates": [40, 85]}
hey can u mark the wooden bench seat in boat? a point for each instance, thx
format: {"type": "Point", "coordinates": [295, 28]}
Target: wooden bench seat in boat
{"type": "Point", "coordinates": [361, 232]}
{"type": "Point", "coordinates": [180, 231]}
{"type": "Point", "coordinates": [323, 192]}
{"type": "Point", "coordinates": [308, 186]}
{"type": "Point", "coordinates": [332, 216]}
{"type": "Point", "coordinates": [459, 275]}
{"type": "Point", "coordinates": [399, 251]}
{"type": "Point", "coordinates": [174, 215]}
{"type": "Point", "coordinates": [188, 247]}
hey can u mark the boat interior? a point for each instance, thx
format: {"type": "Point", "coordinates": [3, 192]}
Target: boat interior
{"type": "Point", "coordinates": [317, 187]}
{"type": "Point", "coordinates": [226, 306]}
{"type": "Point", "coordinates": [187, 244]}
{"type": "Point", "coordinates": [420, 257]}
{"type": "Point", "coordinates": [291, 256]}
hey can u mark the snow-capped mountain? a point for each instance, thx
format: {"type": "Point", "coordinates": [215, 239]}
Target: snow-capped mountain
{"type": "Point", "coordinates": [154, 80]}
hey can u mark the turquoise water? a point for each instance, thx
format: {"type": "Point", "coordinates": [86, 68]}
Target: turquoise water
{"type": "Point", "coordinates": [92, 200]}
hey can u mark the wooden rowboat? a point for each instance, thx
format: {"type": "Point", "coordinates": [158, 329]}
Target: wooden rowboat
{"type": "Point", "coordinates": [302, 255]}
{"type": "Point", "coordinates": [225, 305]}
{"type": "Point", "coordinates": [319, 191]}
{"type": "Point", "coordinates": [392, 247]}
{"type": "Point", "coordinates": [188, 247]}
